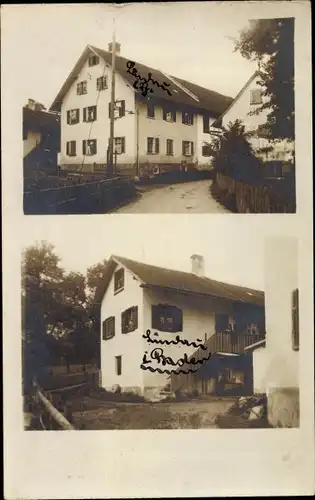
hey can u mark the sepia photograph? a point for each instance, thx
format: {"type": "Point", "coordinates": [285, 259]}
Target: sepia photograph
{"type": "Point", "coordinates": [136, 344]}
{"type": "Point", "coordinates": [112, 124]}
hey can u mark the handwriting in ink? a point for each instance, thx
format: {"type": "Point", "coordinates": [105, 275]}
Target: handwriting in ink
{"type": "Point", "coordinates": [157, 355]}
{"type": "Point", "coordinates": [177, 340]}
{"type": "Point", "coordinates": [141, 83]}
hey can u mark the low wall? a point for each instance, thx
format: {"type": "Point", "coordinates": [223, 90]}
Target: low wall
{"type": "Point", "coordinates": [247, 198]}
{"type": "Point", "coordinates": [283, 407]}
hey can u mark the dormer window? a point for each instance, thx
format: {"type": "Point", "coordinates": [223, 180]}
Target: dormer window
{"type": "Point", "coordinates": [94, 60]}
{"type": "Point", "coordinates": [119, 280]}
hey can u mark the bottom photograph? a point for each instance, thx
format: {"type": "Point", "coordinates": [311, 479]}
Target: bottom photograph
{"type": "Point", "coordinates": [125, 344]}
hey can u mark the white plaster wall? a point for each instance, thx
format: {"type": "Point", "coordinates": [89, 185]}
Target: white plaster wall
{"type": "Point", "coordinates": [124, 127]}
{"type": "Point", "coordinates": [128, 345]}
{"type": "Point", "coordinates": [277, 365]}
{"type": "Point", "coordinates": [33, 139]}
{"type": "Point", "coordinates": [198, 320]}
{"type": "Point", "coordinates": [157, 127]}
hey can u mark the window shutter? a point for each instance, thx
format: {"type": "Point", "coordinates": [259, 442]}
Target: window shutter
{"type": "Point", "coordinates": [78, 115]}
{"type": "Point", "coordinates": [109, 109]}
{"type": "Point", "coordinates": [68, 117]}
{"type": "Point", "coordinates": [183, 148]}
{"type": "Point", "coordinates": [123, 145]}
{"type": "Point", "coordinates": [83, 147]}
{"type": "Point", "coordinates": [135, 317]}
{"type": "Point", "coordinates": [178, 319]}
{"type": "Point", "coordinates": [164, 114]}
{"type": "Point", "coordinates": [104, 330]}
{"type": "Point", "coordinates": [95, 146]}
{"type": "Point", "coordinates": [95, 113]}
{"type": "Point", "coordinates": [183, 117]}
{"type": "Point", "coordinates": [192, 149]}
{"type": "Point", "coordinates": [67, 148]}
{"type": "Point", "coordinates": [123, 322]}
{"type": "Point", "coordinates": [148, 144]}
{"type": "Point", "coordinates": [157, 145]}
{"type": "Point", "coordinates": [123, 108]}
{"type": "Point", "coordinates": [192, 118]}
{"type": "Point", "coordinates": [84, 114]}
{"type": "Point", "coordinates": [295, 320]}
{"type": "Point", "coordinates": [174, 116]}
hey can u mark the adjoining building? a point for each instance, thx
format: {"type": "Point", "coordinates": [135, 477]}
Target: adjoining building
{"type": "Point", "coordinates": [162, 123]}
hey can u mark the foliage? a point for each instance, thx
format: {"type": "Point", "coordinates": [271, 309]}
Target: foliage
{"type": "Point", "coordinates": [236, 157]}
{"type": "Point", "coordinates": [60, 320]}
{"type": "Point", "coordinates": [271, 43]}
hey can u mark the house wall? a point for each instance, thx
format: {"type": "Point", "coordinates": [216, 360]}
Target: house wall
{"type": "Point", "coordinates": [159, 128]}
{"type": "Point", "coordinates": [276, 367]}
{"type": "Point", "coordinates": [241, 109]}
{"type": "Point", "coordinates": [128, 345]}
{"type": "Point", "coordinates": [33, 139]}
{"type": "Point", "coordinates": [198, 320]}
{"type": "Point", "coordinates": [124, 127]}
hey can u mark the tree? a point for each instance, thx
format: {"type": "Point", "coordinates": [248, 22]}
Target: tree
{"type": "Point", "coordinates": [271, 43]}
{"type": "Point", "coordinates": [236, 157]}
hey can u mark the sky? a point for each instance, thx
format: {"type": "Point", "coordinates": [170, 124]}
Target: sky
{"type": "Point", "coordinates": [185, 41]}
{"type": "Point", "coordinates": [233, 253]}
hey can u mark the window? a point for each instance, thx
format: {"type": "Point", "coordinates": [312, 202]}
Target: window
{"type": "Point", "coordinates": [119, 109]}
{"type": "Point", "coordinates": [119, 280]}
{"type": "Point", "coordinates": [221, 322]}
{"type": "Point", "coordinates": [150, 110]}
{"type": "Point", "coordinates": [153, 145]}
{"type": "Point", "coordinates": [118, 365]}
{"type": "Point", "coordinates": [119, 145]}
{"type": "Point", "coordinates": [89, 147]}
{"type": "Point", "coordinates": [188, 148]}
{"type": "Point", "coordinates": [94, 60]}
{"type": "Point", "coordinates": [256, 96]}
{"type": "Point", "coordinates": [295, 321]}
{"type": "Point", "coordinates": [129, 320]}
{"type": "Point", "coordinates": [206, 124]}
{"type": "Point", "coordinates": [187, 118]}
{"type": "Point", "coordinates": [82, 88]}
{"type": "Point", "coordinates": [89, 114]}
{"type": "Point", "coordinates": [101, 83]}
{"type": "Point", "coordinates": [71, 148]}
{"type": "Point", "coordinates": [167, 318]}
{"type": "Point", "coordinates": [73, 116]}
{"type": "Point", "coordinates": [169, 116]}
{"type": "Point", "coordinates": [206, 150]}
{"type": "Point", "coordinates": [169, 147]}
{"type": "Point", "coordinates": [109, 328]}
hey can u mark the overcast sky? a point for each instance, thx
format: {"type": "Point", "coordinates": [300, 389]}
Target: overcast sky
{"type": "Point", "coordinates": [187, 40]}
{"type": "Point", "coordinates": [233, 252]}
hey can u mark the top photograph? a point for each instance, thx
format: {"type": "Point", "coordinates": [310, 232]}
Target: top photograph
{"type": "Point", "coordinates": [139, 114]}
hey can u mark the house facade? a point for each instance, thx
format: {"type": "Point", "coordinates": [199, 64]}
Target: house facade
{"type": "Point", "coordinates": [163, 130]}
{"type": "Point", "coordinates": [153, 317]}
{"type": "Point", "coordinates": [41, 137]}
{"type": "Point", "coordinates": [276, 360]}
{"type": "Point", "coordinates": [243, 108]}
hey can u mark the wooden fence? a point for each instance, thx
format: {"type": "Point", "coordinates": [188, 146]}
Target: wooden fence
{"type": "Point", "coordinates": [78, 198]}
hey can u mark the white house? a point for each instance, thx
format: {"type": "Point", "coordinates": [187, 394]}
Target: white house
{"type": "Point", "coordinates": [247, 101]}
{"type": "Point", "coordinates": [161, 122]}
{"type": "Point", "coordinates": [180, 310]}
{"type": "Point", "coordinates": [276, 359]}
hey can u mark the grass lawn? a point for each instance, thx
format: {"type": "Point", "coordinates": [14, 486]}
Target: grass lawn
{"type": "Point", "coordinates": [92, 414]}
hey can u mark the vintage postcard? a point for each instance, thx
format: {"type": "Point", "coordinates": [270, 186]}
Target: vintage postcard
{"type": "Point", "coordinates": [157, 209]}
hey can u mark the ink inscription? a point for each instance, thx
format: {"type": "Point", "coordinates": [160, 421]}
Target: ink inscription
{"type": "Point", "coordinates": [141, 83]}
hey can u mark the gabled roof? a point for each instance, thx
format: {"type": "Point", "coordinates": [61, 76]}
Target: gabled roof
{"type": "Point", "coordinates": [182, 91]}
{"type": "Point", "coordinates": [178, 281]}
{"type": "Point", "coordinates": [241, 92]}
{"type": "Point", "coordinates": [40, 120]}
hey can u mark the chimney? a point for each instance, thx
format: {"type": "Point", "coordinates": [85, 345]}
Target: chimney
{"type": "Point", "coordinates": [110, 48]}
{"type": "Point", "coordinates": [31, 104]}
{"type": "Point", "coordinates": [197, 265]}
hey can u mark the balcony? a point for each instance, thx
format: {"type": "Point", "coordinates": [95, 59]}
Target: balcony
{"type": "Point", "coordinates": [229, 342]}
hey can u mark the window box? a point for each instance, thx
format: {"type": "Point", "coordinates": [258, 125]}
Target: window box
{"type": "Point", "coordinates": [89, 147]}
{"type": "Point", "coordinates": [153, 145]}
{"type": "Point", "coordinates": [119, 280]}
{"type": "Point", "coordinates": [82, 88]}
{"type": "Point", "coordinates": [167, 318]}
{"type": "Point", "coordinates": [109, 328]}
{"type": "Point", "coordinates": [129, 320]}
{"type": "Point", "coordinates": [73, 116]}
